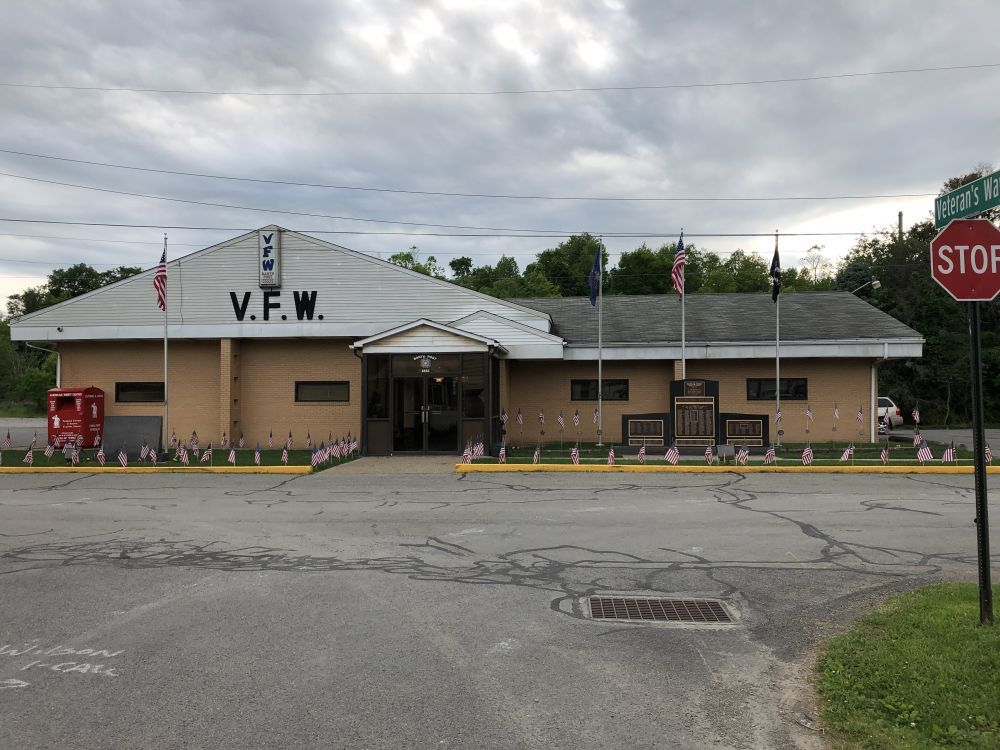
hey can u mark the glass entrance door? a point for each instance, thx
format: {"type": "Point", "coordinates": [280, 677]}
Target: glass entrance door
{"type": "Point", "coordinates": [425, 413]}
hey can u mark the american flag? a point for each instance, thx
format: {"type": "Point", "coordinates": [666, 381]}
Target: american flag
{"type": "Point", "coordinates": [232, 456]}
{"type": "Point", "coordinates": [79, 439]}
{"type": "Point", "coordinates": [270, 439]}
{"type": "Point", "coordinates": [809, 413]}
{"type": "Point", "coordinates": [123, 456]}
{"type": "Point", "coordinates": [885, 454]}
{"type": "Point", "coordinates": [195, 442]}
{"type": "Point", "coordinates": [74, 457]}
{"type": "Point", "coordinates": [49, 450]}
{"type": "Point", "coordinates": [207, 455]}
{"type": "Point", "coordinates": [642, 454]}
{"type": "Point", "coordinates": [672, 456]}
{"type": "Point", "coordinates": [574, 455]}
{"type": "Point", "coordinates": [924, 452]}
{"type": "Point", "coordinates": [777, 417]}
{"type": "Point", "coordinates": [611, 456]}
{"type": "Point", "coordinates": [314, 459]}
{"type": "Point", "coordinates": [354, 443]}
{"type": "Point", "coordinates": [561, 420]}
{"type": "Point", "coordinates": [224, 443]}
{"type": "Point", "coordinates": [284, 456]}
{"type": "Point", "coordinates": [143, 451]}
{"type": "Point", "coordinates": [289, 441]}
{"type": "Point", "coordinates": [916, 415]}
{"type": "Point", "coordinates": [242, 441]}
{"type": "Point", "coordinates": [949, 454]}
{"type": "Point", "coordinates": [846, 455]}
{"type": "Point", "coordinates": [101, 458]}
{"type": "Point", "coordinates": [58, 443]}
{"type": "Point", "coordinates": [536, 458]}
{"type": "Point", "coordinates": [807, 455]}
{"type": "Point", "coordinates": [256, 455]}
{"type": "Point", "coordinates": [861, 414]}
{"type": "Point", "coordinates": [185, 458]}
{"type": "Point", "coordinates": [743, 454]}
{"type": "Point", "coordinates": [152, 456]}
{"type": "Point", "coordinates": [467, 455]}
{"type": "Point", "coordinates": [309, 440]}
{"type": "Point", "coordinates": [324, 451]}
{"type": "Point", "coordinates": [160, 280]}
{"type": "Point", "coordinates": [519, 417]}
{"type": "Point", "coordinates": [67, 449]}
{"type": "Point", "coordinates": [708, 454]}
{"type": "Point", "coordinates": [7, 441]}
{"type": "Point", "coordinates": [597, 415]}
{"type": "Point", "coordinates": [541, 416]}
{"type": "Point", "coordinates": [29, 457]}
{"type": "Point", "coordinates": [988, 453]}
{"type": "Point", "coordinates": [677, 273]}
{"type": "Point", "coordinates": [576, 418]}
{"type": "Point", "coordinates": [769, 455]}
{"type": "Point", "coordinates": [836, 412]}
{"type": "Point", "coordinates": [173, 439]}
{"type": "Point", "coordinates": [335, 450]}
{"type": "Point", "coordinates": [504, 416]}
{"type": "Point", "coordinates": [34, 440]}
{"type": "Point", "coordinates": [502, 458]}
{"type": "Point", "coordinates": [97, 440]}
{"type": "Point", "coordinates": [886, 420]}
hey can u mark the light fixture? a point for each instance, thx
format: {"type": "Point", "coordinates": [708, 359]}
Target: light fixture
{"type": "Point", "coordinates": [874, 283]}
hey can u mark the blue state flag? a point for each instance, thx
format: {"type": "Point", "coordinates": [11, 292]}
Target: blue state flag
{"type": "Point", "coordinates": [594, 278]}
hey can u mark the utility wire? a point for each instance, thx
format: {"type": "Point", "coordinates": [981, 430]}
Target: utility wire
{"type": "Point", "coordinates": [503, 92]}
{"type": "Point", "coordinates": [328, 186]}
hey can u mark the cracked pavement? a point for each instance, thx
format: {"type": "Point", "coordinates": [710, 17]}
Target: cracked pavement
{"type": "Point", "coordinates": [445, 611]}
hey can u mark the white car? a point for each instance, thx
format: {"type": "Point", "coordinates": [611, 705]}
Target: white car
{"type": "Point", "coordinates": [886, 406]}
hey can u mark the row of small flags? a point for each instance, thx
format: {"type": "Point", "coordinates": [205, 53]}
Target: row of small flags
{"type": "Point", "coordinates": [560, 420]}
{"type": "Point", "coordinates": [242, 441]}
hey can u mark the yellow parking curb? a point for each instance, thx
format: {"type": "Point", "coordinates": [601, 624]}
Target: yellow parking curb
{"type": "Point", "coordinates": [156, 470]}
{"type": "Point", "coordinates": [730, 469]}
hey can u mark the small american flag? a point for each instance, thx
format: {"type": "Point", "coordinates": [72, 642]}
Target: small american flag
{"type": "Point", "coordinates": [314, 459]}
{"type": "Point", "coordinates": [224, 443]}
{"type": "Point", "coordinates": [207, 455]}
{"type": "Point", "coordinates": [885, 454]}
{"type": "Point", "coordinates": [160, 280]}
{"type": "Point", "coordinates": [916, 415]}
{"type": "Point", "coordinates": [777, 417]}
{"type": "Point", "coordinates": [886, 420]}
{"type": "Point", "coordinates": [270, 439]}
{"type": "Point", "coordinates": [256, 455]}
{"type": "Point", "coordinates": [354, 443]}
{"type": "Point", "coordinates": [467, 455]}
{"type": "Point", "coordinates": [185, 458]}
{"type": "Point", "coordinates": [561, 420]}
{"type": "Point", "coordinates": [29, 457]}
{"type": "Point", "coordinates": [536, 458]}
{"type": "Point", "coordinates": [917, 439]}
{"type": "Point", "coordinates": [34, 440]}
{"type": "Point", "coordinates": [597, 415]}
{"type": "Point", "coordinates": [846, 455]}
{"type": "Point", "coordinates": [502, 458]}
{"type": "Point", "coordinates": [123, 456]}
{"type": "Point", "coordinates": [97, 440]}
{"type": "Point", "coordinates": [79, 439]}
{"type": "Point", "coordinates": [574, 455]}
{"type": "Point", "coordinates": [861, 414]}
{"type": "Point", "coordinates": [642, 454]}
{"type": "Point", "coordinates": [807, 455]}
{"type": "Point", "coordinates": [232, 456]}
{"type": "Point", "coordinates": [74, 457]}
{"type": "Point", "coordinates": [49, 450]}
{"type": "Point", "coordinates": [7, 441]}
{"type": "Point", "coordinates": [836, 412]}
{"type": "Point", "coordinates": [541, 416]}
{"type": "Point", "coordinates": [101, 458]}
{"type": "Point", "coordinates": [309, 440]}
{"type": "Point", "coordinates": [576, 418]}
{"type": "Point", "coordinates": [949, 454]}
{"type": "Point", "coordinates": [143, 451]}
{"type": "Point", "coordinates": [924, 452]}
{"type": "Point", "coordinates": [672, 456]}
{"type": "Point", "coordinates": [289, 441]}
{"type": "Point", "coordinates": [67, 449]}
{"type": "Point", "coordinates": [173, 439]}
{"type": "Point", "coordinates": [809, 413]}
{"type": "Point", "coordinates": [335, 450]}
{"type": "Point", "coordinates": [503, 416]}
{"type": "Point", "coordinates": [743, 454]}
{"type": "Point", "coordinates": [152, 456]}
{"type": "Point", "coordinates": [677, 272]}
{"type": "Point", "coordinates": [242, 442]}
{"type": "Point", "coordinates": [988, 453]}
{"type": "Point", "coordinates": [611, 456]}
{"type": "Point", "coordinates": [324, 451]}
{"type": "Point", "coordinates": [195, 442]}
{"type": "Point", "coordinates": [709, 456]}
{"type": "Point", "coordinates": [519, 417]}
{"type": "Point", "coordinates": [769, 455]}
{"type": "Point", "coordinates": [284, 456]}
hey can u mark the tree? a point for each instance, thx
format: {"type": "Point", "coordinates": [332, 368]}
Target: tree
{"type": "Point", "coordinates": [567, 266]}
{"type": "Point", "coordinates": [740, 272]}
{"type": "Point", "coordinates": [411, 259]}
{"type": "Point", "coordinates": [816, 264]}
{"type": "Point", "coordinates": [642, 271]}
{"type": "Point", "coordinates": [461, 267]}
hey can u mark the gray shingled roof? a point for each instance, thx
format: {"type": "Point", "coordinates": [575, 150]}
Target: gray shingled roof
{"type": "Point", "coordinates": [656, 318]}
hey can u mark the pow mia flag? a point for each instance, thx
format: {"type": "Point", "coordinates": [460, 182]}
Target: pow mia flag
{"type": "Point", "coordinates": [775, 273]}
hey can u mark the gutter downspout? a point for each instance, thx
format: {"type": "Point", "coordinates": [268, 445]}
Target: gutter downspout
{"type": "Point", "coordinates": [58, 361]}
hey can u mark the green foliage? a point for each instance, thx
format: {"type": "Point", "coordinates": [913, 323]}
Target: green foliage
{"type": "Point", "coordinates": [567, 266]}
{"type": "Point", "coordinates": [411, 259]}
{"type": "Point", "coordinates": [918, 673]}
{"type": "Point", "coordinates": [504, 280]}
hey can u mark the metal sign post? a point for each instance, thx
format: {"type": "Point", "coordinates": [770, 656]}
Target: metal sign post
{"type": "Point", "coordinates": [979, 449]}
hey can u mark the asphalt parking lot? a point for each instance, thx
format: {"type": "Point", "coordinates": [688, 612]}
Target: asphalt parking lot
{"type": "Point", "coordinates": [441, 611]}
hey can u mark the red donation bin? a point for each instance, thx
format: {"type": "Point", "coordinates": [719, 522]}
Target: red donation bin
{"type": "Point", "coordinates": [76, 411]}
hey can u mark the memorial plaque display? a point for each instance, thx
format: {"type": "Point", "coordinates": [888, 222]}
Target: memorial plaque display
{"type": "Point", "coordinates": [751, 429]}
{"type": "Point", "coordinates": [645, 429]}
{"type": "Point", "coordinates": [695, 410]}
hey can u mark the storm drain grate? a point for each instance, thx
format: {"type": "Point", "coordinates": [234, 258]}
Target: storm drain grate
{"type": "Point", "coordinates": [632, 608]}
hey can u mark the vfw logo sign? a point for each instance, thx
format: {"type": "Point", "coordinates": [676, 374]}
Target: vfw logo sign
{"type": "Point", "coordinates": [269, 258]}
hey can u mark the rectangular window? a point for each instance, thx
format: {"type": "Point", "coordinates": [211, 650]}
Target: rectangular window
{"type": "Point", "coordinates": [586, 390]}
{"type": "Point", "coordinates": [322, 390]}
{"type": "Point", "coordinates": [378, 385]}
{"type": "Point", "coordinates": [139, 393]}
{"type": "Point", "coordinates": [792, 389]}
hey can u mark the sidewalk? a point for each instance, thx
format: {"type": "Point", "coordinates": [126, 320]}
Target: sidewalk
{"type": "Point", "coordinates": [388, 465]}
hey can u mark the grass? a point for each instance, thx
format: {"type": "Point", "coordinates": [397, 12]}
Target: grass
{"type": "Point", "coordinates": [918, 673]}
{"type": "Point", "coordinates": [244, 457]}
{"type": "Point", "coordinates": [21, 411]}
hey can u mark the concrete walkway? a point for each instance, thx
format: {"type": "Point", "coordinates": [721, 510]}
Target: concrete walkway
{"type": "Point", "coordinates": [389, 465]}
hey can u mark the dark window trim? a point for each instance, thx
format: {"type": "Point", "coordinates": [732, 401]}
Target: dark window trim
{"type": "Point", "coordinates": [604, 386]}
{"type": "Point", "coordinates": [786, 390]}
{"type": "Point", "coordinates": [148, 385]}
{"type": "Point", "coordinates": [345, 383]}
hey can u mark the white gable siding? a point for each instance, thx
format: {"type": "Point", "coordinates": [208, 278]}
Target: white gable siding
{"type": "Point", "coordinates": [357, 296]}
{"type": "Point", "coordinates": [522, 342]}
{"type": "Point", "coordinates": [424, 339]}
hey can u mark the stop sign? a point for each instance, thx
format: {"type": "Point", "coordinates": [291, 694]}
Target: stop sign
{"type": "Point", "coordinates": [965, 260]}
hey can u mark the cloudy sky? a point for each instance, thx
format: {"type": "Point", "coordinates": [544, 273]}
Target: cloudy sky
{"type": "Point", "coordinates": [397, 112]}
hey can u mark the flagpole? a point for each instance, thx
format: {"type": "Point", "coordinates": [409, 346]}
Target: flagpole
{"type": "Point", "coordinates": [600, 340]}
{"type": "Point", "coordinates": [683, 327]}
{"type": "Point", "coordinates": [777, 349]}
{"type": "Point", "coordinates": [166, 408]}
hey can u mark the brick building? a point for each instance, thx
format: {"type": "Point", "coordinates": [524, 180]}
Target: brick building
{"type": "Point", "coordinates": [279, 331]}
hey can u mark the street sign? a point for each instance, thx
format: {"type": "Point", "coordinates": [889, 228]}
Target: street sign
{"type": "Point", "coordinates": [965, 260]}
{"type": "Point", "coordinates": [978, 196]}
